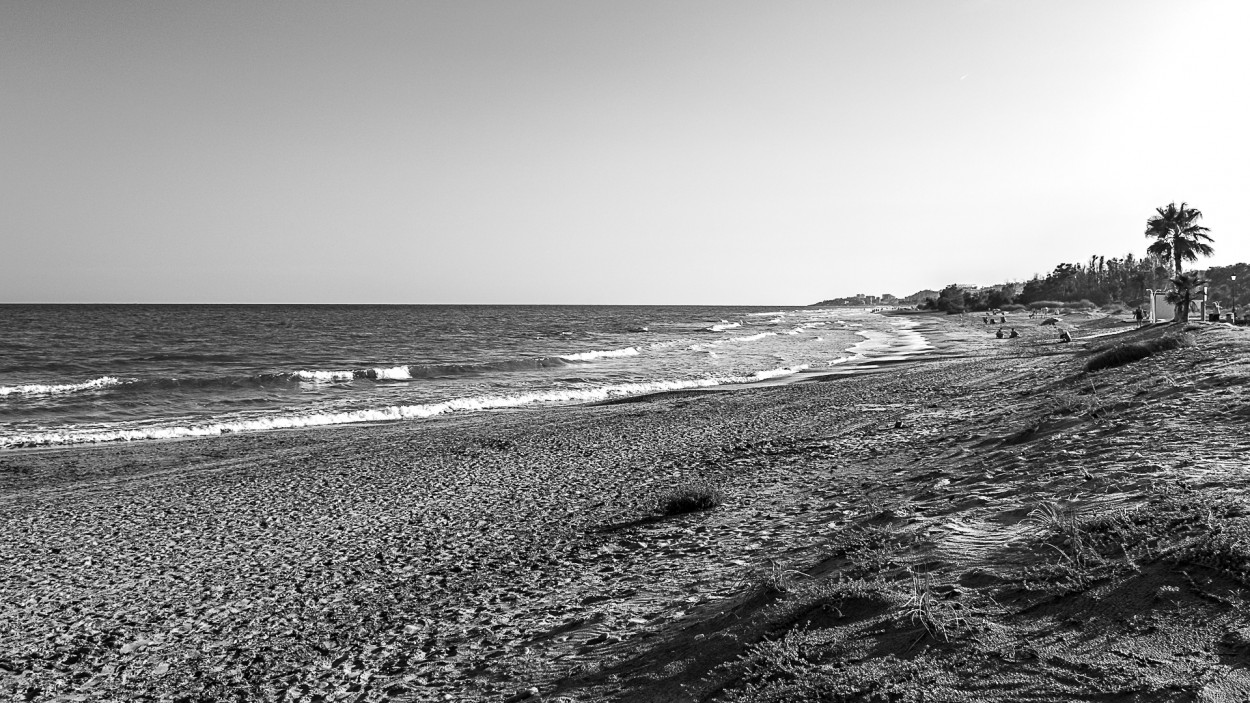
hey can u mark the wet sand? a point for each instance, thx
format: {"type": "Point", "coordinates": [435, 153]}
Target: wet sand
{"type": "Point", "coordinates": [477, 558]}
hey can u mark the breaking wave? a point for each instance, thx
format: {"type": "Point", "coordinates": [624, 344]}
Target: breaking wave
{"type": "Point", "coordinates": [803, 328]}
{"type": "Point", "coordinates": [325, 376]}
{"type": "Point", "coordinates": [393, 373]}
{"type": "Point", "coordinates": [592, 355]}
{"type": "Point", "coordinates": [391, 413]}
{"type": "Point", "coordinates": [37, 389]}
{"type": "Point", "coordinates": [724, 325]}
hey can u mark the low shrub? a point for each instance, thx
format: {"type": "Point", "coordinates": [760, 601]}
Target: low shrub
{"type": "Point", "coordinates": [1039, 304]}
{"type": "Point", "coordinates": [1127, 353]}
{"type": "Point", "coordinates": [690, 498]}
{"type": "Point", "coordinates": [1012, 307]}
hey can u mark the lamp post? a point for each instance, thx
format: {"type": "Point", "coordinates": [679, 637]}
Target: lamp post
{"type": "Point", "coordinates": [1234, 277]}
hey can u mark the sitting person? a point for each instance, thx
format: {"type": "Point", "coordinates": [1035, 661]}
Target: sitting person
{"type": "Point", "coordinates": [999, 334]}
{"type": "Point", "coordinates": [1014, 333]}
{"type": "Point", "coordinates": [1064, 336]}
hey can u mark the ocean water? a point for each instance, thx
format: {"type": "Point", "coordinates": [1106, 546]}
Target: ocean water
{"type": "Point", "coordinates": [99, 373]}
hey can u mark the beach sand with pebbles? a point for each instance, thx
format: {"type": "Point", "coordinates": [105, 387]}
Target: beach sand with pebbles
{"type": "Point", "coordinates": [984, 522]}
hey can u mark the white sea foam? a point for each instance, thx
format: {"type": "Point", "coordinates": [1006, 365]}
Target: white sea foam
{"type": "Point", "coordinates": [804, 327]}
{"type": "Point", "coordinates": [611, 353]}
{"type": "Point", "coordinates": [325, 376]}
{"type": "Point", "coordinates": [394, 412]}
{"type": "Point", "coordinates": [725, 325]}
{"type": "Point", "coordinates": [902, 341]}
{"type": "Point", "coordinates": [395, 373]}
{"type": "Point", "coordinates": [777, 373]}
{"type": "Point", "coordinates": [766, 314]}
{"type": "Point", "coordinates": [36, 389]}
{"type": "Point", "coordinates": [753, 337]}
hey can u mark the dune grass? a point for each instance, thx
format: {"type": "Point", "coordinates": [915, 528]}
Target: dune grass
{"type": "Point", "coordinates": [1129, 352]}
{"type": "Point", "coordinates": [689, 498]}
{"type": "Point", "coordinates": [940, 618]}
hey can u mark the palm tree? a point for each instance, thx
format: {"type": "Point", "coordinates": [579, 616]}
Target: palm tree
{"type": "Point", "coordinates": [1183, 292]}
{"type": "Point", "coordinates": [1178, 237]}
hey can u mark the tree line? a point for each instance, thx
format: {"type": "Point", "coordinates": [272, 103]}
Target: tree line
{"type": "Point", "coordinates": [1178, 238]}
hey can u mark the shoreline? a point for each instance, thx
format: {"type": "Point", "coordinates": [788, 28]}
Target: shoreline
{"type": "Point", "coordinates": [479, 556]}
{"type": "Point", "coordinates": [853, 365]}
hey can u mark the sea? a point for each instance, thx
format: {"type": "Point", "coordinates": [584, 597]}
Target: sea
{"type": "Point", "coordinates": [75, 374]}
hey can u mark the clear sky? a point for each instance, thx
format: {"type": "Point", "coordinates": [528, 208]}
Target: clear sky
{"type": "Point", "coordinates": [667, 151]}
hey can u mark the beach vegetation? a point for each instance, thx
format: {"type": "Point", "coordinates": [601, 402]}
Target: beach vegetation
{"type": "Point", "coordinates": [1178, 236]}
{"type": "Point", "coordinates": [1100, 281]}
{"type": "Point", "coordinates": [870, 549]}
{"type": "Point", "coordinates": [1184, 286]}
{"type": "Point", "coordinates": [1129, 352]}
{"type": "Point", "coordinates": [1066, 534]}
{"type": "Point", "coordinates": [1176, 527]}
{"type": "Point", "coordinates": [813, 649]}
{"type": "Point", "coordinates": [940, 618]}
{"type": "Point", "coordinates": [773, 578]}
{"type": "Point", "coordinates": [1221, 288]}
{"type": "Point", "coordinates": [1043, 304]}
{"type": "Point", "coordinates": [689, 498]}
{"type": "Point", "coordinates": [951, 299]}
{"type": "Point", "coordinates": [1084, 404]}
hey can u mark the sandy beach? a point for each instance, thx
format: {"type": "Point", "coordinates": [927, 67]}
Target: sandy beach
{"type": "Point", "coordinates": [987, 522]}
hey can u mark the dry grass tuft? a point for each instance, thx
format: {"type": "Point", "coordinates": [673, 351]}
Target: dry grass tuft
{"type": "Point", "coordinates": [690, 498]}
{"type": "Point", "coordinates": [773, 578]}
{"type": "Point", "coordinates": [939, 618]}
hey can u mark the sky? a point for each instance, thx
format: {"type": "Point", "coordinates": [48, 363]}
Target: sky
{"type": "Point", "coordinates": [642, 152]}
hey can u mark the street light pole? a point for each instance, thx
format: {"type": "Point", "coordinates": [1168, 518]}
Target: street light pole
{"type": "Point", "coordinates": [1234, 298]}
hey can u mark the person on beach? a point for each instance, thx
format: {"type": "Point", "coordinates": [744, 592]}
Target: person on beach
{"type": "Point", "coordinates": [1002, 319]}
{"type": "Point", "coordinates": [1138, 315]}
{"type": "Point", "coordinates": [1014, 333]}
{"type": "Point", "coordinates": [1064, 336]}
{"type": "Point", "coordinates": [999, 334]}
